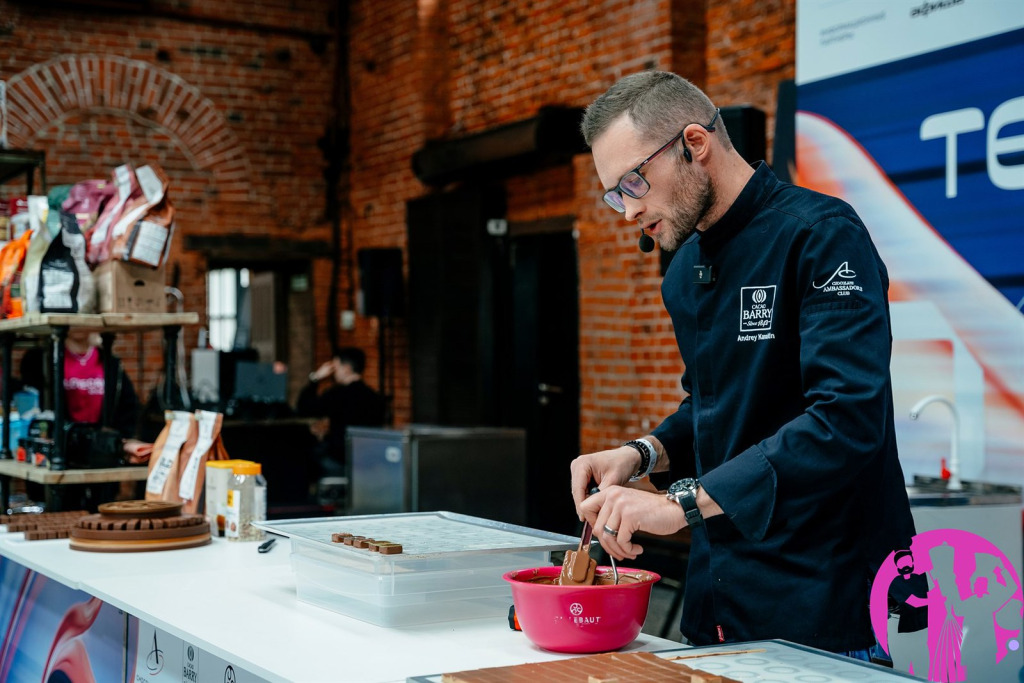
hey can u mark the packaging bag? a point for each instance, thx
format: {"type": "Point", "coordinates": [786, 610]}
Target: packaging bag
{"type": "Point", "coordinates": [192, 465]}
{"type": "Point", "coordinates": [87, 199]}
{"type": "Point", "coordinates": [12, 259]}
{"type": "Point", "coordinates": [178, 435]}
{"type": "Point", "coordinates": [55, 198]}
{"type": "Point", "coordinates": [65, 281]}
{"type": "Point", "coordinates": [98, 236]}
{"type": "Point", "coordinates": [39, 243]}
{"type": "Point", "coordinates": [17, 209]}
{"type": "Point", "coordinates": [152, 183]}
{"type": "Point", "coordinates": [149, 241]}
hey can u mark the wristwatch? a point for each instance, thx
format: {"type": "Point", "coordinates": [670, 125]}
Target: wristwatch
{"type": "Point", "coordinates": [684, 492]}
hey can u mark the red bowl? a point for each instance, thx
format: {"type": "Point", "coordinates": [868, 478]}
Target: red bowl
{"type": "Point", "coordinates": [580, 619]}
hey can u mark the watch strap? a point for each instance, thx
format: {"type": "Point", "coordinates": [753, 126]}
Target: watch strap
{"type": "Point", "coordinates": [687, 499]}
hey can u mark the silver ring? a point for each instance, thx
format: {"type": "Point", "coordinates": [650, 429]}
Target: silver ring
{"type": "Point", "coordinates": [610, 531]}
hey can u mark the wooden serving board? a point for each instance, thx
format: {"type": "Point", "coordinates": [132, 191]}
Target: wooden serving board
{"type": "Point", "coordinates": [136, 546]}
{"type": "Point", "coordinates": [138, 526]}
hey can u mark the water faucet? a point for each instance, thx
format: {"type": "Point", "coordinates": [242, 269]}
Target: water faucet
{"type": "Point", "coordinates": [954, 483]}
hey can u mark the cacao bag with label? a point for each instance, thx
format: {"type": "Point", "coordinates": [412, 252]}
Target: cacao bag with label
{"type": "Point", "coordinates": [192, 464]}
{"type": "Point", "coordinates": [65, 281]}
{"type": "Point", "coordinates": [178, 436]}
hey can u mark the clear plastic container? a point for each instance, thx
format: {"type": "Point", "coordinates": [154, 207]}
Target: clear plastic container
{"type": "Point", "coordinates": [246, 502]}
{"type": "Point", "coordinates": [450, 568]}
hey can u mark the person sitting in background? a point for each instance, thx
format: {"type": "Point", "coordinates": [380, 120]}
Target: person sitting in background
{"type": "Point", "coordinates": [348, 402]}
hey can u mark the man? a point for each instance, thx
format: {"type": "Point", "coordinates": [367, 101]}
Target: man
{"type": "Point", "coordinates": [778, 301]}
{"type": "Point", "coordinates": [349, 402]}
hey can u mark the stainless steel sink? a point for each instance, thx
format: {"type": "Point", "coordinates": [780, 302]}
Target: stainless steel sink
{"type": "Point", "coordinates": [932, 491]}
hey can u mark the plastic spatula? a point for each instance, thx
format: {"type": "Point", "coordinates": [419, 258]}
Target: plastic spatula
{"type": "Point", "coordinates": [578, 567]}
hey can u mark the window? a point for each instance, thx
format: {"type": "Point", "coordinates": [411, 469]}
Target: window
{"type": "Point", "coordinates": [226, 292]}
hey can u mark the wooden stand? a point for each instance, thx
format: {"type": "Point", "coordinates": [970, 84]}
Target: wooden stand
{"type": "Point", "coordinates": [56, 327]}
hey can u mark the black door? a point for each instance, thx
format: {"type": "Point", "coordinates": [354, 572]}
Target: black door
{"type": "Point", "coordinates": [451, 306]}
{"type": "Point", "coordinates": [543, 375]}
{"type": "Point", "coordinates": [494, 333]}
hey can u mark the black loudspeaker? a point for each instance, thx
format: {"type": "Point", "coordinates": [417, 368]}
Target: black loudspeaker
{"type": "Point", "coordinates": [784, 148]}
{"type": "Point", "coordinates": [380, 282]}
{"type": "Point", "coordinates": [746, 126]}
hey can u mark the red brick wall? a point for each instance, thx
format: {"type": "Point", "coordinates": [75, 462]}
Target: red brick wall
{"type": "Point", "coordinates": [416, 71]}
{"type": "Point", "coordinates": [505, 60]}
{"type": "Point", "coordinates": [228, 100]}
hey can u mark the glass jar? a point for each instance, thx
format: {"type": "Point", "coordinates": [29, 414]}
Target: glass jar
{"type": "Point", "coordinates": [246, 502]}
{"type": "Point", "coordinates": [218, 477]}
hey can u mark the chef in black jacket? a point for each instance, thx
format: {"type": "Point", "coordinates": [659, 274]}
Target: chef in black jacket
{"type": "Point", "coordinates": [779, 304]}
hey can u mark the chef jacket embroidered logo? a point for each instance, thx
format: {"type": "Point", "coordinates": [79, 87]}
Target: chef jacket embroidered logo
{"type": "Point", "coordinates": [756, 307]}
{"type": "Point", "coordinates": [840, 282]}
{"type": "Point", "coordinates": [576, 609]}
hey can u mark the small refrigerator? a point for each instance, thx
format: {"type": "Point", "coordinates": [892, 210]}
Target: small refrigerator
{"type": "Point", "coordinates": [478, 471]}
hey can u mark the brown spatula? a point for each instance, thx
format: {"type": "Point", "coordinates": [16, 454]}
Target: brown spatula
{"type": "Point", "coordinates": [578, 567]}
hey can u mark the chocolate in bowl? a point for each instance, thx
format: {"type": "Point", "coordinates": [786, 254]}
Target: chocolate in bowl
{"type": "Point", "coordinates": [581, 619]}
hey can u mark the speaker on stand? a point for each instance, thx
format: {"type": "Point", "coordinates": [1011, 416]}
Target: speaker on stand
{"type": "Point", "coordinates": [381, 293]}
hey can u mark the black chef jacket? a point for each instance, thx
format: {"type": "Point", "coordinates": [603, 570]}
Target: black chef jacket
{"type": "Point", "coordinates": [789, 417]}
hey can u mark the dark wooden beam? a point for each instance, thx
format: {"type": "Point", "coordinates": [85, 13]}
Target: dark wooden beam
{"type": "Point", "coordinates": [256, 249]}
{"type": "Point", "coordinates": [551, 137]}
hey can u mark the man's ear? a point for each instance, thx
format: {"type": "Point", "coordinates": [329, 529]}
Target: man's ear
{"type": "Point", "coordinates": [696, 142]}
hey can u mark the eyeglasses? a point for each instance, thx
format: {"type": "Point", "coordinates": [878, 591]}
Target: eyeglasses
{"type": "Point", "coordinates": [633, 184]}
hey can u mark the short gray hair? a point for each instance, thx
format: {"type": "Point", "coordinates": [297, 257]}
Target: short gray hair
{"type": "Point", "coordinates": [659, 104]}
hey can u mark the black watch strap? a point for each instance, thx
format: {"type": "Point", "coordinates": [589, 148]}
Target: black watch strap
{"type": "Point", "coordinates": [694, 519]}
{"type": "Point", "coordinates": [684, 492]}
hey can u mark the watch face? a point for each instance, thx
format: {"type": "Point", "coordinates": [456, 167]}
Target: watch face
{"type": "Point", "coordinates": [682, 485]}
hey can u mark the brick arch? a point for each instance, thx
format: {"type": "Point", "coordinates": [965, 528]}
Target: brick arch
{"type": "Point", "coordinates": [49, 91]}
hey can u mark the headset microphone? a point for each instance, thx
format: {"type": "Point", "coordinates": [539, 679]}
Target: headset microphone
{"type": "Point", "coordinates": [646, 242]}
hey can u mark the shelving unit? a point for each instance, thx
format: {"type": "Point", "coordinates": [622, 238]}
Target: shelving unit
{"type": "Point", "coordinates": [15, 162]}
{"type": "Point", "coordinates": [55, 326]}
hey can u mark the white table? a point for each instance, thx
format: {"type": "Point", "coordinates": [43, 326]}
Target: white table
{"type": "Point", "coordinates": [241, 606]}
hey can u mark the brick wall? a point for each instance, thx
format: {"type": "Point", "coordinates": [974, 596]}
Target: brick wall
{"type": "Point", "coordinates": [230, 106]}
{"type": "Point", "coordinates": [499, 62]}
{"type": "Point", "coordinates": [416, 71]}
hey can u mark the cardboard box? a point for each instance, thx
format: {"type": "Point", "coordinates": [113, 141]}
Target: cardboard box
{"type": "Point", "coordinates": [124, 287]}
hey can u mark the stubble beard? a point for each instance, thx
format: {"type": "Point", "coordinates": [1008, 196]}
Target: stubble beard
{"type": "Point", "coordinates": [690, 204]}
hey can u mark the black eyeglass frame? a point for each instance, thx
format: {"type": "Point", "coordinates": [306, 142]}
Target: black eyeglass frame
{"type": "Point", "coordinates": [613, 197]}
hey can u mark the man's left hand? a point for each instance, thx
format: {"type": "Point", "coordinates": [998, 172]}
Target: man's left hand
{"type": "Point", "coordinates": [626, 511]}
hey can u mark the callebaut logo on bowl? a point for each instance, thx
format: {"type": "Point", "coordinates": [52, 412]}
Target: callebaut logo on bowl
{"type": "Point", "coordinates": [578, 617]}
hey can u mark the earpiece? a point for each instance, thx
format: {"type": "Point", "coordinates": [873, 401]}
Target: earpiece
{"type": "Point", "coordinates": [686, 154]}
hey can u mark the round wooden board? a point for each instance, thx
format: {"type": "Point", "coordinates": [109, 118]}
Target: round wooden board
{"type": "Point", "coordinates": [139, 508]}
{"type": "Point", "coordinates": [138, 546]}
{"type": "Point", "coordinates": [121, 536]}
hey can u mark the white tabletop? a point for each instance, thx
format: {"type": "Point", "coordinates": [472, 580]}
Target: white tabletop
{"type": "Point", "coordinates": [240, 605]}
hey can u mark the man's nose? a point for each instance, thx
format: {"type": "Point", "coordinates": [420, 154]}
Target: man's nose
{"type": "Point", "coordinates": [634, 208]}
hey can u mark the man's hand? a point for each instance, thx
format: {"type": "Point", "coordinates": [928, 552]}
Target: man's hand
{"type": "Point", "coordinates": [137, 452]}
{"type": "Point", "coordinates": [605, 468]}
{"type": "Point", "coordinates": [626, 511]}
{"type": "Point", "coordinates": [323, 372]}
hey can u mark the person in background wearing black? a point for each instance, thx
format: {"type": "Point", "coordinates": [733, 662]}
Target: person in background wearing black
{"type": "Point", "coordinates": [348, 402]}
